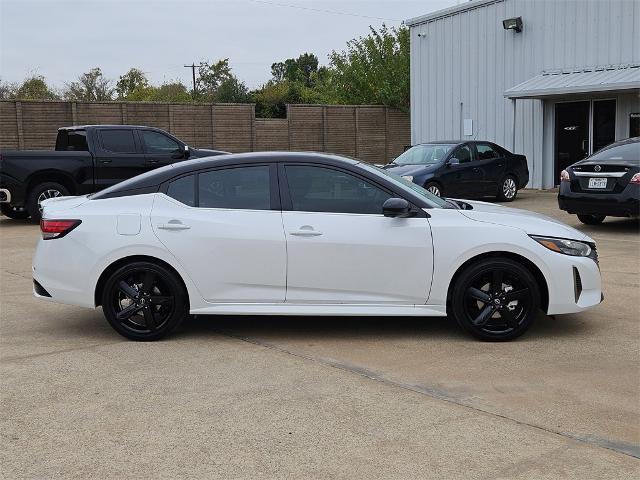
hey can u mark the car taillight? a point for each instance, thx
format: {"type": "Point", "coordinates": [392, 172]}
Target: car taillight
{"type": "Point", "coordinates": [564, 176]}
{"type": "Point", "coordinates": [57, 228]}
{"type": "Point", "coordinates": [635, 179]}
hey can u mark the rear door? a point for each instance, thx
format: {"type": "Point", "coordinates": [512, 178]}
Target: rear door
{"type": "Point", "coordinates": [341, 249]}
{"type": "Point", "coordinates": [224, 226]}
{"type": "Point", "coordinates": [159, 148]}
{"type": "Point", "coordinates": [118, 156]}
{"type": "Point", "coordinates": [492, 164]}
{"type": "Point", "coordinates": [462, 179]}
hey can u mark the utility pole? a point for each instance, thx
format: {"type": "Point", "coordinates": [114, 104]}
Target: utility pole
{"type": "Point", "coordinates": [193, 73]}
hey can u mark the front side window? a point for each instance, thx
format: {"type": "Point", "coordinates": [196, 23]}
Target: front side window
{"type": "Point", "coordinates": [241, 187]}
{"type": "Point", "coordinates": [486, 152]}
{"type": "Point", "coordinates": [118, 141]}
{"type": "Point", "coordinates": [319, 189]}
{"type": "Point", "coordinates": [155, 142]}
{"type": "Point", "coordinates": [463, 154]}
{"type": "Point", "coordinates": [183, 189]}
{"type": "Point", "coordinates": [426, 154]}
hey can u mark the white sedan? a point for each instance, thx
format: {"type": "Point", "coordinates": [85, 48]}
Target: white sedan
{"type": "Point", "coordinates": [305, 234]}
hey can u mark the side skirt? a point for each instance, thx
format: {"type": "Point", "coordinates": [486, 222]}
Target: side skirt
{"type": "Point", "coordinates": [321, 309]}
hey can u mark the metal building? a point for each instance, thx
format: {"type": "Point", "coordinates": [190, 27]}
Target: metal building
{"type": "Point", "coordinates": [552, 79]}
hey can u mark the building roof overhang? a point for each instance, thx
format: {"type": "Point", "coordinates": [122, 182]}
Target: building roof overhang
{"type": "Point", "coordinates": [611, 78]}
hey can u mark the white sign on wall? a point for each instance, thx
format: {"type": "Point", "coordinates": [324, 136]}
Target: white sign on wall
{"type": "Point", "coordinates": [468, 127]}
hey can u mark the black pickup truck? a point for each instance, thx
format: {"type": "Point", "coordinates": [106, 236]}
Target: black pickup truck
{"type": "Point", "coordinates": [86, 159]}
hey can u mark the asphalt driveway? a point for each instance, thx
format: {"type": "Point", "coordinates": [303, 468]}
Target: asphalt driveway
{"type": "Point", "coordinates": [247, 397]}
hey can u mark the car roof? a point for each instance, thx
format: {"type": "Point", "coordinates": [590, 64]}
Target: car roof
{"type": "Point", "coordinates": [84, 127]}
{"type": "Point", "coordinates": [150, 180]}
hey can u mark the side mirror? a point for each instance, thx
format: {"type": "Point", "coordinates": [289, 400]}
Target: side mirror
{"type": "Point", "coordinates": [453, 161]}
{"type": "Point", "coordinates": [397, 208]}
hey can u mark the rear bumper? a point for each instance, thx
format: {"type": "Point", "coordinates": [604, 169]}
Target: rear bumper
{"type": "Point", "coordinates": [624, 204]}
{"type": "Point", "coordinates": [5, 195]}
{"type": "Point", "coordinates": [14, 191]}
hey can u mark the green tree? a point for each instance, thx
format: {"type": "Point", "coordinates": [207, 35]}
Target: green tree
{"type": "Point", "coordinates": [299, 69]}
{"type": "Point", "coordinates": [232, 90]}
{"type": "Point", "coordinates": [173, 92]}
{"type": "Point", "coordinates": [211, 76]}
{"type": "Point", "coordinates": [372, 70]}
{"type": "Point", "coordinates": [34, 88]}
{"type": "Point", "coordinates": [131, 81]}
{"type": "Point", "coordinates": [91, 86]}
{"type": "Point", "coordinates": [7, 90]}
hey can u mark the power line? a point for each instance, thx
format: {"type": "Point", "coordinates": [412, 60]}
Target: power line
{"type": "Point", "coordinates": [321, 10]}
{"type": "Point", "coordinates": [193, 73]}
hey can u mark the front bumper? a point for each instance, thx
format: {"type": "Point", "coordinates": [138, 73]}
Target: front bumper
{"type": "Point", "coordinates": [623, 204]}
{"type": "Point", "coordinates": [576, 285]}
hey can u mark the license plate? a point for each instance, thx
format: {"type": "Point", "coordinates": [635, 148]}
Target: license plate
{"type": "Point", "coordinates": [597, 183]}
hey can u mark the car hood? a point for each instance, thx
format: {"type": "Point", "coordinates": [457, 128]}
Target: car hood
{"type": "Point", "coordinates": [532, 223]}
{"type": "Point", "coordinates": [205, 152]}
{"type": "Point", "coordinates": [413, 170]}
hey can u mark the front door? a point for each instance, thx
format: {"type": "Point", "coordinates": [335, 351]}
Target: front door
{"type": "Point", "coordinates": [571, 134]}
{"type": "Point", "coordinates": [118, 156]}
{"type": "Point", "coordinates": [341, 249]}
{"type": "Point", "coordinates": [229, 236]}
{"type": "Point", "coordinates": [463, 178]}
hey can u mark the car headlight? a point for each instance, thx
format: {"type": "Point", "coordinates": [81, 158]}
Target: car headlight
{"type": "Point", "coordinates": [563, 245]}
{"type": "Point", "coordinates": [408, 177]}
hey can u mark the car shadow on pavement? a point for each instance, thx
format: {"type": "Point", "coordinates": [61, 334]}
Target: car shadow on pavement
{"type": "Point", "coordinates": [289, 327]}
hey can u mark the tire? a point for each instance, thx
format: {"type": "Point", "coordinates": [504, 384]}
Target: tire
{"type": "Point", "coordinates": [41, 192]}
{"type": "Point", "coordinates": [434, 188]}
{"type": "Point", "coordinates": [13, 212]}
{"type": "Point", "coordinates": [495, 299]}
{"type": "Point", "coordinates": [591, 219]}
{"type": "Point", "coordinates": [152, 297]}
{"type": "Point", "coordinates": [508, 189]}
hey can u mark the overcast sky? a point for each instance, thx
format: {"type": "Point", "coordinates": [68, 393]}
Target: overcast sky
{"type": "Point", "coordinates": [60, 39]}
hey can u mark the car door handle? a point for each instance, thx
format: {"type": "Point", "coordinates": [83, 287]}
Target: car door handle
{"type": "Point", "coordinates": [153, 161]}
{"type": "Point", "coordinates": [305, 231]}
{"type": "Point", "coordinates": [173, 226]}
{"type": "Point", "coordinates": [105, 161]}
{"type": "Point", "coordinates": [476, 169]}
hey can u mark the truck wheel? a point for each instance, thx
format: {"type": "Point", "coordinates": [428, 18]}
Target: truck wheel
{"type": "Point", "coordinates": [591, 219]}
{"type": "Point", "coordinates": [434, 188]}
{"type": "Point", "coordinates": [13, 212]}
{"type": "Point", "coordinates": [42, 192]}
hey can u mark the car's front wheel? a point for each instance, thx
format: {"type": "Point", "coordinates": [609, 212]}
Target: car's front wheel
{"type": "Point", "coordinates": [591, 219]}
{"type": "Point", "coordinates": [495, 299]}
{"type": "Point", "coordinates": [144, 301]}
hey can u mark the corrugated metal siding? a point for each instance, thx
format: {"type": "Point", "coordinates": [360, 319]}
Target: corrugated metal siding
{"type": "Point", "coordinates": [468, 58]}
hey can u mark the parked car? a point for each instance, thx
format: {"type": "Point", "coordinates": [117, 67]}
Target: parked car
{"type": "Point", "coordinates": [86, 159]}
{"type": "Point", "coordinates": [464, 169]}
{"type": "Point", "coordinates": [305, 234]}
{"type": "Point", "coordinates": [605, 184]}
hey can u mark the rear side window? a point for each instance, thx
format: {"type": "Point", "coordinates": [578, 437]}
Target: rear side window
{"type": "Point", "coordinates": [318, 189]}
{"type": "Point", "coordinates": [240, 187]}
{"type": "Point", "coordinates": [486, 152]}
{"type": "Point", "coordinates": [72, 141]}
{"type": "Point", "coordinates": [118, 141]}
{"type": "Point", "coordinates": [184, 190]}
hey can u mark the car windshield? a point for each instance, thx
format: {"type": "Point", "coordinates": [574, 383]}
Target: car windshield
{"type": "Point", "coordinates": [427, 154]}
{"type": "Point", "coordinates": [434, 201]}
{"type": "Point", "coordinates": [625, 152]}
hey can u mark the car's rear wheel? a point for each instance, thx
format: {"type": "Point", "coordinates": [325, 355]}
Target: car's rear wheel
{"type": "Point", "coordinates": [434, 188]}
{"type": "Point", "coordinates": [591, 219]}
{"type": "Point", "coordinates": [495, 299]}
{"type": "Point", "coordinates": [42, 192]}
{"type": "Point", "coordinates": [13, 212]}
{"type": "Point", "coordinates": [144, 301]}
{"type": "Point", "coordinates": [508, 189]}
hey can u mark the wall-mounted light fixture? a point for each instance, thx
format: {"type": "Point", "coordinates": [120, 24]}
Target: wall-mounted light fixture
{"type": "Point", "coordinates": [514, 23]}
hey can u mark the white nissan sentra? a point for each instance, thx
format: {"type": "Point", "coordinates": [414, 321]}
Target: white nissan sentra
{"type": "Point", "coordinates": [305, 234]}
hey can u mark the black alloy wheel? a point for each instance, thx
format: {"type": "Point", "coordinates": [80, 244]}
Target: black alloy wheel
{"type": "Point", "coordinates": [496, 299]}
{"type": "Point", "coordinates": [144, 301]}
